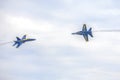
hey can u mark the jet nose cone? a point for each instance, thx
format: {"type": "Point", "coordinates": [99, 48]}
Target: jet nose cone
{"type": "Point", "coordinates": [73, 33]}
{"type": "Point", "coordinates": [33, 39]}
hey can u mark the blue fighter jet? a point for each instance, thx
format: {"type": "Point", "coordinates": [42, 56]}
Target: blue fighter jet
{"type": "Point", "coordinates": [85, 32]}
{"type": "Point", "coordinates": [19, 41]}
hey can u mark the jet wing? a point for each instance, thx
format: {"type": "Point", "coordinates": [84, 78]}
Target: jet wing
{"type": "Point", "coordinates": [84, 27]}
{"type": "Point", "coordinates": [18, 45]}
{"type": "Point", "coordinates": [85, 37]}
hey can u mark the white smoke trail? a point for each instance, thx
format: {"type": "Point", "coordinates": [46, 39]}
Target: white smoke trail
{"type": "Point", "coordinates": [4, 43]}
{"type": "Point", "coordinates": [106, 31]}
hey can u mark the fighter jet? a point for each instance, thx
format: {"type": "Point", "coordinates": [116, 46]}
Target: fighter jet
{"type": "Point", "coordinates": [85, 32]}
{"type": "Point", "coordinates": [19, 41]}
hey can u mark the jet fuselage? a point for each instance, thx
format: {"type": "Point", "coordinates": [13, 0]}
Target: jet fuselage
{"type": "Point", "coordinates": [19, 41]}
{"type": "Point", "coordinates": [82, 33]}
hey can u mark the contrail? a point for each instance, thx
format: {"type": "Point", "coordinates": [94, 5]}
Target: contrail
{"type": "Point", "coordinates": [4, 43]}
{"type": "Point", "coordinates": [106, 31]}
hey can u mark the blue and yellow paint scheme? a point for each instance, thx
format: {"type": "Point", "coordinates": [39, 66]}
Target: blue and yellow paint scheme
{"type": "Point", "coordinates": [85, 32]}
{"type": "Point", "coordinates": [19, 41]}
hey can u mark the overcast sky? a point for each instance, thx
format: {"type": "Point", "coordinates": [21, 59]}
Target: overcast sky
{"type": "Point", "coordinates": [56, 54]}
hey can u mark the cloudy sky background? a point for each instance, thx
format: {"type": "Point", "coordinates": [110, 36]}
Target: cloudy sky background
{"type": "Point", "coordinates": [56, 54]}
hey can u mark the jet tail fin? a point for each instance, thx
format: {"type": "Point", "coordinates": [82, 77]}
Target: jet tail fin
{"type": "Point", "coordinates": [90, 32]}
{"type": "Point", "coordinates": [24, 37]}
{"type": "Point", "coordinates": [18, 38]}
